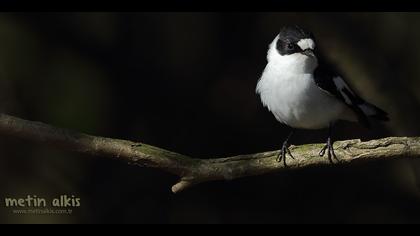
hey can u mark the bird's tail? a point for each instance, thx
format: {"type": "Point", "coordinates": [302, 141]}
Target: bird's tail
{"type": "Point", "coordinates": [374, 112]}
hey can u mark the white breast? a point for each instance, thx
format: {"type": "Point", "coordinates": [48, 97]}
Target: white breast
{"type": "Point", "coordinates": [296, 100]}
{"type": "Point", "coordinates": [287, 88]}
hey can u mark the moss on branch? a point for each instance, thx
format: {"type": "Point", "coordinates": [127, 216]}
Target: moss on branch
{"type": "Point", "coordinates": [194, 171]}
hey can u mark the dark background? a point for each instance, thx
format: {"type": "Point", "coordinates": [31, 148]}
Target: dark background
{"type": "Point", "coordinates": [186, 82]}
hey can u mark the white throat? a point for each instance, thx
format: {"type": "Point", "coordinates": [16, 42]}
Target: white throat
{"type": "Point", "coordinates": [296, 63]}
{"type": "Point", "coordinates": [287, 88]}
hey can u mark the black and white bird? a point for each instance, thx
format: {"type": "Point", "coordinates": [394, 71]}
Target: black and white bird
{"type": "Point", "coordinates": [304, 92]}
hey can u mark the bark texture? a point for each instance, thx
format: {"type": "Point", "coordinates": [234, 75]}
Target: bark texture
{"type": "Point", "coordinates": [193, 171]}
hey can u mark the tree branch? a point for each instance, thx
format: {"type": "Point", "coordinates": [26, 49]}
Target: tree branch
{"type": "Point", "coordinates": [194, 171]}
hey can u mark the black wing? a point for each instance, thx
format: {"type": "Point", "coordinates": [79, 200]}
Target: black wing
{"type": "Point", "coordinates": [329, 80]}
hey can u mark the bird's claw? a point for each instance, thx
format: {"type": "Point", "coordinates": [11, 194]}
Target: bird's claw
{"type": "Point", "coordinates": [283, 152]}
{"type": "Point", "coordinates": [330, 151]}
{"type": "Point", "coordinates": [322, 152]}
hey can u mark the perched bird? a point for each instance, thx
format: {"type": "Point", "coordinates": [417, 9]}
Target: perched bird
{"type": "Point", "coordinates": [304, 92]}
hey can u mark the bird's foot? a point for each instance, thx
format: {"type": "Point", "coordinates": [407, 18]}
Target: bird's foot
{"type": "Point", "coordinates": [283, 152]}
{"type": "Point", "coordinates": [330, 151]}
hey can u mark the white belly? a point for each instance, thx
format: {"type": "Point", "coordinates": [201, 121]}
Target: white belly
{"type": "Point", "coordinates": [297, 101]}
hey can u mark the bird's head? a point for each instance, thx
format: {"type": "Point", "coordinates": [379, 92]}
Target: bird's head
{"type": "Point", "coordinates": [294, 47]}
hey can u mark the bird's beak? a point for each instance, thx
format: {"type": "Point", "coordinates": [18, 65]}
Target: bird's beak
{"type": "Point", "coordinates": [309, 53]}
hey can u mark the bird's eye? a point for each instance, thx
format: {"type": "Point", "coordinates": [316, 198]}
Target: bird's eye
{"type": "Point", "coordinates": [290, 46]}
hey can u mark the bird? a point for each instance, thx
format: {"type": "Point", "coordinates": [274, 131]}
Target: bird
{"type": "Point", "coordinates": [305, 91]}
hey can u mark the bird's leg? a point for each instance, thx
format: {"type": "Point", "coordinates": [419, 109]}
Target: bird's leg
{"type": "Point", "coordinates": [285, 149]}
{"type": "Point", "coordinates": [329, 146]}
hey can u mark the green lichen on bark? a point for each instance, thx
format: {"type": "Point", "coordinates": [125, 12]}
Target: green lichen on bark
{"type": "Point", "coordinates": [193, 171]}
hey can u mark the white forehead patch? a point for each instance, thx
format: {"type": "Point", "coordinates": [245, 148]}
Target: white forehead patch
{"type": "Point", "coordinates": [306, 44]}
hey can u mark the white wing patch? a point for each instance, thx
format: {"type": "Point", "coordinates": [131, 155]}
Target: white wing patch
{"type": "Point", "coordinates": [340, 84]}
{"type": "Point", "coordinates": [306, 44]}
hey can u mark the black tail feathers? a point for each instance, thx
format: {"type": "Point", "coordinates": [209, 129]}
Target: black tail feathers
{"type": "Point", "coordinates": [375, 112]}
